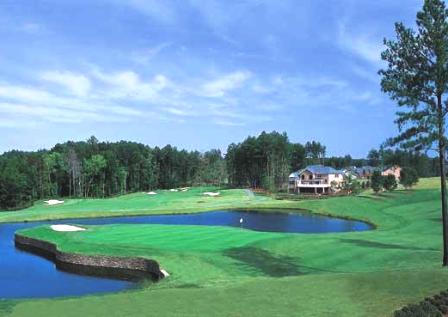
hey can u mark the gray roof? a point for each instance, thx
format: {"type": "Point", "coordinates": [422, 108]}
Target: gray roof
{"type": "Point", "coordinates": [317, 169]}
{"type": "Point", "coordinates": [365, 170]}
{"type": "Point", "coordinates": [294, 174]}
{"type": "Point", "coordinates": [321, 169]}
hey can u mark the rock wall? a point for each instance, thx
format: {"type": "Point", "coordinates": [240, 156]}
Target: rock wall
{"type": "Point", "coordinates": [104, 266]}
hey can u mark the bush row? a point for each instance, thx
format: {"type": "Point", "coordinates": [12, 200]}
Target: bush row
{"type": "Point", "coordinates": [436, 306]}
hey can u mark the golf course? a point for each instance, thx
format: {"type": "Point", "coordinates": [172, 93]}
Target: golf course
{"type": "Point", "coordinates": [225, 271]}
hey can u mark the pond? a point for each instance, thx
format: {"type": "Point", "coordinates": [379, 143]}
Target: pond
{"type": "Point", "coordinates": [24, 275]}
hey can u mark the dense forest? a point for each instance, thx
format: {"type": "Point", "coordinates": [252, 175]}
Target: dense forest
{"type": "Point", "coordinates": [101, 169]}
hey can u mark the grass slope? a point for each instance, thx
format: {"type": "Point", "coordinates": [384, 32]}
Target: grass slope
{"type": "Point", "coordinates": [218, 271]}
{"type": "Point", "coordinates": [165, 201]}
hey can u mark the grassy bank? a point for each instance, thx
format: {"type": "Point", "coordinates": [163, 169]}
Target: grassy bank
{"type": "Point", "coordinates": [218, 271]}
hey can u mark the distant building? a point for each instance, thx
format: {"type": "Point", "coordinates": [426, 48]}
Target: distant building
{"type": "Point", "coordinates": [394, 170]}
{"type": "Point", "coordinates": [365, 172]}
{"type": "Point", "coordinates": [316, 179]}
{"type": "Point", "coordinates": [349, 173]}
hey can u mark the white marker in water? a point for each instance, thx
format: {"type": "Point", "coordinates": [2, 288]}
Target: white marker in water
{"type": "Point", "coordinates": [241, 222]}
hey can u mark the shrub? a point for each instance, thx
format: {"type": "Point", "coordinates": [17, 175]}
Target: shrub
{"type": "Point", "coordinates": [408, 177]}
{"type": "Point", "coordinates": [435, 306]}
{"type": "Point", "coordinates": [389, 182]}
{"type": "Point", "coordinates": [377, 181]}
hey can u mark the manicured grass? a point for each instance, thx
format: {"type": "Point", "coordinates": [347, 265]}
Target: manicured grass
{"type": "Point", "coordinates": [165, 201]}
{"type": "Point", "coordinates": [219, 271]}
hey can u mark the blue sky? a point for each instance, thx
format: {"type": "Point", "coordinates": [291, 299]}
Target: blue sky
{"type": "Point", "coordinates": [197, 74]}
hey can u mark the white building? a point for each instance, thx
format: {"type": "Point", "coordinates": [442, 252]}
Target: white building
{"type": "Point", "coordinates": [316, 179]}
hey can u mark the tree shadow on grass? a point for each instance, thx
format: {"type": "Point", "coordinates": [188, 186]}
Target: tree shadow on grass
{"type": "Point", "coordinates": [379, 245]}
{"type": "Point", "coordinates": [269, 264]}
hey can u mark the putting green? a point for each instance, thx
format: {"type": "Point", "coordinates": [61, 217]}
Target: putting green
{"type": "Point", "coordinates": [218, 271]}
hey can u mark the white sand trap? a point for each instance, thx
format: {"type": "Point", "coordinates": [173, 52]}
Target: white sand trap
{"type": "Point", "coordinates": [66, 228]}
{"type": "Point", "coordinates": [212, 194]}
{"type": "Point", "coordinates": [152, 193]}
{"type": "Point", "coordinates": [173, 190]}
{"type": "Point", "coordinates": [52, 202]}
{"type": "Point", "coordinates": [184, 189]}
{"type": "Point", "coordinates": [165, 273]}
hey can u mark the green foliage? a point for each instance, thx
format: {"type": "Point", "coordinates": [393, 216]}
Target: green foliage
{"type": "Point", "coordinates": [408, 177]}
{"type": "Point", "coordinates": [315, 152]}
{"type": "Point", "coordinates": [377, 181]}
{"type": "Point", "coordinates": [436, 306]}
{"type": "Point", "coordinates": [417, 76]}
{"type": "Point", "coordinates": [100, 169]}
{"type": "Point", "coordinates": [296, 156]}
{"type": "Point", "coordinates": [374, 158]}
{"type": "Point", "coordinates": [263, 161]}
{"type": "Point", "coordinates": [353, 186]}
{"type": "Point", "coordinates": [389, 182]}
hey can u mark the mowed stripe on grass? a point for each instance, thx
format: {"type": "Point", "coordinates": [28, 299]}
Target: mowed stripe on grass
{"type": "Point", "coordinates": [218, 271]}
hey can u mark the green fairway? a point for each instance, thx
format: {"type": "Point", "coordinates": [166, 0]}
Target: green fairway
{"type": "Point", "coordinates": [221, 271]}
{"type": "Point", "coordinates": [165, 201]}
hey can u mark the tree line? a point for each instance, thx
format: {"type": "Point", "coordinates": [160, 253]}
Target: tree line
{"type": "Point", "coordinates": [103, 169]}
{"type": "Point", "coordinates": [266, 161]}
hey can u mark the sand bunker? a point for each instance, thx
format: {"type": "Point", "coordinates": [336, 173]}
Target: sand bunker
{"type": "Point", "coordinates": [212, 194]}
{"type": "Point", "coordinates": [165, 273]}
{"type": "Point", "coordinates": [173, 190]}
{"type": "Point", "coordinates": [184, 189]}
{"type": "Point", "coordinates": [66, 228]}
{"type": "Point", "coordinates": [152, 193]}
{"type": "Point", "coordinates": [52, 202]}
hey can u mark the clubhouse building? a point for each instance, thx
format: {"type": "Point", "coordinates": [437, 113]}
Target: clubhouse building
{"type": "Point", "coordinates": [320, 179]}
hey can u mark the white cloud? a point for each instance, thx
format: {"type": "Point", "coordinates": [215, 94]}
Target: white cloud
{"type": "Point", "coordinates": [226, 123]}
{"type": "Point", "coordinates": [163, 11]}
{"type": "Point", "coordinates": [218, 87]}
{"type": "Point", "coordinates": [366, 45]}
{"type": "Point", "coordinates": [128, 84]}
{"type": "Point", "coordinates": [20, 102]}
{"type": "Point", "coordinates": [75, 83]}
{"type": "Point", "coordinates": [53, 114]}
{"type": "Point", "coordinates": [227, 99]}
{"type": "Point", "coordinates": [146, 55]}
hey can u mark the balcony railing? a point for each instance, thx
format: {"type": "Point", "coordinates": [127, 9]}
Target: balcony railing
{"type": "Point", "coordinates": [313, 182]}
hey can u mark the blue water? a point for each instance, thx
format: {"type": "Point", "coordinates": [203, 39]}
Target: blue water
{"type": "Point", "coordinates": [24, 275]}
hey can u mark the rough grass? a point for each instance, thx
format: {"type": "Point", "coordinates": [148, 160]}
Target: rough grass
{"type": "Point", "coordinates": [219, 271]}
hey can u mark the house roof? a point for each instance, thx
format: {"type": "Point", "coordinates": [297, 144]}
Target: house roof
{"type": "Point", "coordinates": [390, 167]}
{"type": "Point", "coordinates": [321, 169]}
{"type": "Point", "coordinates": [366, 169]}
{"type": "Point", "coordinates": [294, 174]}
{"type": "Point", "coordinates": [316, 169]}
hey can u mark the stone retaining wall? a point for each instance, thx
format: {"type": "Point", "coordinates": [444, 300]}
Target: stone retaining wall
{"type": "Point", "coordinates": [104, 266]}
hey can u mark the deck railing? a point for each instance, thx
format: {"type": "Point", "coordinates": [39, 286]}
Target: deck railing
{"type": "Point", "coordinates": [313, 182]}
